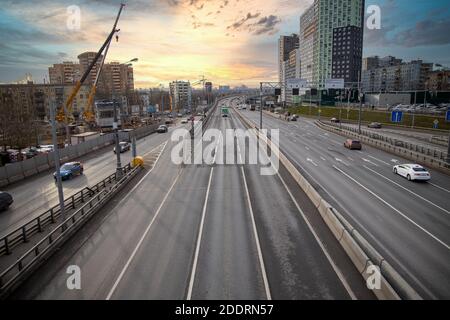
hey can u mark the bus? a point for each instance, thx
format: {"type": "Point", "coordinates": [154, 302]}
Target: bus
{"type": "Point", "coordinates": [225, 112]}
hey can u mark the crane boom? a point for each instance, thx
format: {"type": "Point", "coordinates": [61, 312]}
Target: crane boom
{"type": "Point", "coordinates": [65, 111]}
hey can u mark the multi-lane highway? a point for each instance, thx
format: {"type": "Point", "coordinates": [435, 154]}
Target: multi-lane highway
{"type": "Point", "coordinates": [408, 222]}
{"type": "Point", "coordinates": [204, 232]}
{"type": "Point", "coordinates": [38, 193]}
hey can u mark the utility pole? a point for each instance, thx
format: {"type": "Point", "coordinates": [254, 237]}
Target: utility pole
{"type": "Point", "coordinates": [414, 111]}
{"type": "Point", "coordinates": [260, 105]}
{"type": "Point", "coordinates": [56, 159]}
{"type": "Point", "coordinates": [360, 102]}
{"type": "Point", "coordinates": [119, 172]}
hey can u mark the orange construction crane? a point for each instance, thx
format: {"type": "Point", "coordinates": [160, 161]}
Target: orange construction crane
{"type": "Point", "coordinates": [65, 112]}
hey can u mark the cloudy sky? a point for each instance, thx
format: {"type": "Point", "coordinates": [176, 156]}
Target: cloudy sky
{"type": "Point", "coordinates": [229, 41]}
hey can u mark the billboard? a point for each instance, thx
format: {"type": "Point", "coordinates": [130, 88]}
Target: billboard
{"type": "Point", "coordinates": [296, 83]}
{"type": "Point", "coordinates": [334, 84]}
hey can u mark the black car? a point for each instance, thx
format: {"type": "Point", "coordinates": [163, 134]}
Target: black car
{"type": "Point", "coordinates": [5, 200]}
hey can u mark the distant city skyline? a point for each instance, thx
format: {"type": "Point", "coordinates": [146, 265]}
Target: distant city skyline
{"type": "Point", "coordinates": [231, 42]}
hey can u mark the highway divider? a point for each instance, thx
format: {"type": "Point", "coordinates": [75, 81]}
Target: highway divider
{"type": "Point", "coordinates": [364, 257]}
{"type": "Point", "coordinates": [422, 158]}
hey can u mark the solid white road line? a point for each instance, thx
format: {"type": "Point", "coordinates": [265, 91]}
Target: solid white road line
{"type": "Point", "coordinates": [199, 238]}
{"type": "Point", "coordinates": [410, 191]}
{"type": "Point", "coordinates": [386, 163]}
{"type": "Point", "coordinates": [200, 230]}
{"type": "Point", "coordinates": [393, 208]}
{"type": "Point", "coordinates": [255, 233]}
{"type": "Point", "coordinates": [439, 187]}
{"type": "Point", "coordinates": [330, 260]}
{"type": "Point", "coordinates": [141, 240]}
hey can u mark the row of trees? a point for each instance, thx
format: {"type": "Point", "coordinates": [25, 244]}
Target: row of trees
{"type": "Point", "coordinates": [18, 128]}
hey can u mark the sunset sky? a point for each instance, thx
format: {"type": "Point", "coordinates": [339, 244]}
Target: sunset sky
{"type": "Point", "coordinates": [231, 42]}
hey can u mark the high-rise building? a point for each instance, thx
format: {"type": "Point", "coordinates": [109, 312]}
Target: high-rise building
{"type": "Point", "coordinates": [208, 87]}
{"type": "Point", "coordinates": [285, 45]}
{"type": "Point", "coordinates": [65, 73]}
{"type": "Point", "coordinates": [85, 60]}
{"type": "Point", "coordinates": [318, 39]}
{"type": "Point", "coordinates": [291, 71]}
{"type": "Point", "coordinates": [393, 76]}
{"type": "Point", "coordinates": [438, 80]}
{"type": "Point", "coordinates": [180, 95]}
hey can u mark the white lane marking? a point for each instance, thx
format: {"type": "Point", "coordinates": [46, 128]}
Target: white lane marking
{"type": "Point", "coordinates": [141, 240]}
{"type": "Point", "coordinates": [410, 191]}
{"type": "Point", "coordinates": [255, 233]}
{"type": "Point", "coordinates": [312, 162]}
{"type": "Point", "coordinates": [439, 187]}
{"type": "Point", "coordinates": [307, 148]}
{"type": "Point", "coordinates": [351, 159]}
{"type": "Point", "coordinates": [202, 223]}
{"type": "Point", "coordinates": [368, 161]}
{"type": "Point", "coordinates": [394, 160]}
{"type": "Point", "coordinates": [327, 255]}
{"type": "Point", "coordinates": [386, 163]}
{"type": "Point", "coordinates": [341, 161]}
{"type": "Point", "coordinates": [393, 208]}
{"type": "Point", "coordinates": [323, 158]}
{"type": "Point", "coordinates": [199, 238]}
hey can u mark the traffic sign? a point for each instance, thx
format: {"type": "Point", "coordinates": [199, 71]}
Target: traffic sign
{"type": "Point", "coordinates": [447, 116]}
{"type": "Point", "coordinates": [334, 84]}
{"type": "Point", "coordinates": [296, 83]}
{"type": "Point", "coordinates": [397, 116]}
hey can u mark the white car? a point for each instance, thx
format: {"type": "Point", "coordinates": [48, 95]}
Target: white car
{"type": "Point", "coordinates": [412, 172]}
{"type": "Point", "coordinates": [184, 121]}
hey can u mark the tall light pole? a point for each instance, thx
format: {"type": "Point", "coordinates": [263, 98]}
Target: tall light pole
{"type": "Point", "coordinates": [260, 105]}
{"type": "Point", "coordinates": [56, 159]}
{"type": "Point", "coordinates": [360, 102]}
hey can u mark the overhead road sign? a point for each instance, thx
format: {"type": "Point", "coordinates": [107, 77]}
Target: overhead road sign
{"type": "Point", "coordinates": [296, 83]}
{"type": "Point", "coordinates": [334, 84]}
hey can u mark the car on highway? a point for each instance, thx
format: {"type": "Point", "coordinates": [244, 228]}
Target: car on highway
{"type": "Point", "coordinates": [334, 120]}
{"type": "Point", "coordinates": [353, 144]}
{"type": "Point", "coordinates": [5, 200]}
{"type": "Point", "coordinates": [69, 170]}
{"type": "Point", "coordinates": [162, 129]}
{"type": "Point", "coordinates": [375, 125]}
{"type": "Point", "coordinates": [124, 146]}
{"type": "Point", "coordinates": [293, 118]}
{"type": "Point", "coordinates": [412, 172]}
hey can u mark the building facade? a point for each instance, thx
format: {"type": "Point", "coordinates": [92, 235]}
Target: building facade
{"type": "Point", "coordinates": [291, 71]}
{"type": "Point", "coordinates": [285, 45]}
{"type": "Point", "coordinates": [390, 75]}
{"type": "Point", "coordinates": [180, 95]}
{"type": "Point", "coordinates": [318, 38]}
{"type": "Point", "coordinates": [438, 80]}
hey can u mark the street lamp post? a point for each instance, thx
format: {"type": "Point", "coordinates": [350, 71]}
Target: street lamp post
{"type": "Point", "coordinates": [360, 102]}
{"type": "Point", "coordinates": [119, 171]}
{"type": "Point", "coordinates": [56, 159]}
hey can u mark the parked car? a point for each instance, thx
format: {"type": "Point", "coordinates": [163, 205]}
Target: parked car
{"type": "Point", "coordinates": [179, 115]}
{"type": "Point", "coordinates": [5, 200]}
{"type": "Point", "coordinates": [69, 170]}
{"type": "Point", "coordinates": [375, 125]}
{"type": "Point", "coordinates": [124, 146]}
{"type": "Point", "coordinates": [335, 120]}
{"type": "Point", "coordinates": [184, 121]}
{"type": "Point", "coordinates": [169, 121]}
{"type": "Point", "coordinates": [353, 144]}
{"type": "Point", "coordinates": [412, 172]}
{"type": "Point", "coordinates": [162, 129]}
{"type": "Point", "coordinates": [293, 118]}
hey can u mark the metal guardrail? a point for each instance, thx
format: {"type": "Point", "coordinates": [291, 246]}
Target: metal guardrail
{"type": "Point", "coordinates": [39, 251]}
{"type": "Point", "coordinates": [441, 155]}
{"type": "Point", "coordinates": [37, 225]}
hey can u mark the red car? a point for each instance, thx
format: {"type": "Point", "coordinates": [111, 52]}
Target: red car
{"type": "Point", "coordinates": [353, 144]}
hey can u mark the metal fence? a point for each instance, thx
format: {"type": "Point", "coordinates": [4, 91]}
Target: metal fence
{"type": "Point", "coordinates": [431, 152]}
{"type": "Point", "coordinates": [17, 171]}
{"type": "Point", "coordinates": [32, 258]}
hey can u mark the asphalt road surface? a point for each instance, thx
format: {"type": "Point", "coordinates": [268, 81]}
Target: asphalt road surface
{"type": "Point", "coordinates": [203, 232]}
{"type": "Point", "coordinates": [407, 222]}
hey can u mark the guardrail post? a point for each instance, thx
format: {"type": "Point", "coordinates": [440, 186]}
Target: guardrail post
{"type": "Point", "coordinates": [52, 215]}
{"type": "Point", "coordinates": [73, 201]}
{"type": "Point", "coordinates": [7, 251]}
{"type": "Point", "coordinates": [19, 265]}
{"type": "Point", "coordinates": [24, 234]}
{"type": "Point", "coordinates": [39, 224]}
